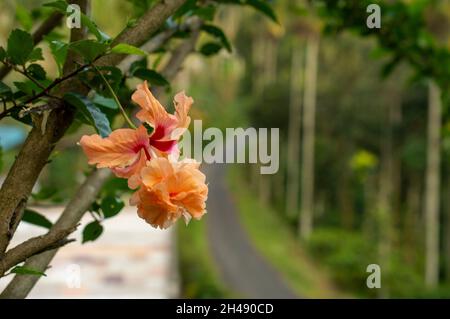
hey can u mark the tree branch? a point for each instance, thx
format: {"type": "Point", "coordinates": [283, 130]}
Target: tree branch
{"type": "Point", "coordinates": [21, 285]}
{"type": "Point", "coordinates": [38, 147]}
{"type": "Point", "coordinates": [53, 239]}
{"type": "Point", "coordinates": [45, 28]}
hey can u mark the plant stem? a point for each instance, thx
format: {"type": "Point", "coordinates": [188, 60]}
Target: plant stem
{"type": "Point", "coordinates": [116, 99]}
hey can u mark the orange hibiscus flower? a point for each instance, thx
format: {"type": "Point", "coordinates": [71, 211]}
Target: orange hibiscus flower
{"type": "Point", "coordinates": [169, 191]}
{"type": "Point", "coordinates": [126, 151]}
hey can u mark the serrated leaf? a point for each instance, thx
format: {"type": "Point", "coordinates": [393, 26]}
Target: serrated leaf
{"type": "Point", "coordinates": [36, 71]}
{"type": "Point", "coordinates": [111, 206]}
{"type": "Point", "coordinates": [21, 270]}
{"type": "Point", "coordinates": [210, 48]}
{"type": "Point", "coordinates": [33, 217]}
{"type": "Point", "coordinates": [123, 48]}
{"type": "Point", "coordinates": [105, 101]}
{"type": "Point", "coordinates": [153, 77]}
{"type": "Point", "coordinates": [219, 34]}
{"type": "Point", "coordinates": [89, 49]}
{"type": "Point", "coordinates": [263, 7]}
{"type": "Point", "coordinates": [20, 46]}
{"type": "Point", "coordinates": [92, 231]}
{"type": "Point", "coordinates": [90, 112]}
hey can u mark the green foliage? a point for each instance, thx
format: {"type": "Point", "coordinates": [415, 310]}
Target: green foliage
{"type": "Point", "coordinates": [404, 35]}
{"type": "Point", "coordinates": [24, 17]}
{"type": "Point", "coordinates": [21, 270]}
{"type": "Point", "coordinates": [59, 52]}
{"type": "Point", "coordinates": [5, 91]}
{"type": "Point", "coordinates": [32, 217]}
{"type": "Point", "coordinates": [219, 34]}
{"type": "Point", "coordinates": [45, 193]}
{"type": "Point", "coordinates": [20, 46]}
{"type": "Point", "coordinates": [105, 102]}
{"type": "Point", "coordinates": [111, 206]}
{"type": "Point", "coordinates": [90, 113]}
{"type": "Point", "coordinates": [260, 5]}
{"type": "Point", "coordinates": [92, 231]}
{"type": "Point", "coordinates": [210, 48]}
{"type": "Point", "coordinates": [153, 77]}
{"type": "Point", "coordinates": [36, 71]}
{"type": "Point", "coordinates": [89, 49]}
{"type": "Point", "coordinates": [123, 48]}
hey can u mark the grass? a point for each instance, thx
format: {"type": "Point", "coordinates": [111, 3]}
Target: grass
{"type": "Point", "coordinates": [198, 273]}
{"type": "Point", "coordinates": [274, 240]}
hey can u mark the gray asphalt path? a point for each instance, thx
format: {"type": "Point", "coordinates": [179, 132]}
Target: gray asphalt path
{"type": "Point", "coordinates": [243, 269]}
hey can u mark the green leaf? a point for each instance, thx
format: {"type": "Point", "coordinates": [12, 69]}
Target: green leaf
{"type": "Point", "coordinates": [210, 48]}
{"type": "Point", "coordinates": [123, 48]}
{"type": "Point", "coordinates": [36, 55]}
{"type": "Point", "coordinates": [2, 53]}
{"type": "Point", "coordinates": [33, 217]}
{"type": "Point", "coordinates": [89, 49]}
{"type": "Point", "coordinates": [58, 5]}
{"type": "Point", "coordinates": [105, 101]}
{"type": "Point", "coordinates": [92, 231]}
{"type": "Point", "coordinates": [139, 64]}
{"type": "Point", "coordinates": [92, 27]}
{"type": "Point", "coordinates": [36, 71]}
{"type": "Point", "coordinates": [24, 17]}
{"type": "Point", "coordinates": [20, 46]}
{"type": "Point", "coordinates": [219, 34]}
{"type": "Point", "coordinates": [111, 206]}
{"type": "Point", "coordinates": [27, 87]}
{"type": "Point", "coordinates": [59, 52]}
{"type": "Point", "coordinates": [206, 13]}
{"type": "Point", "coordinates": [21, 270]}
{"type": "Point", "coordinates": [45, 193]}
{"type": "Point", "coordinates": [4, 89]}
{"type": "Point", "coordinates": [90, 112]}
{"type": "Point", "coordinates": [153, 77]}
{"type": "Point", "coordinates": [263, 7]}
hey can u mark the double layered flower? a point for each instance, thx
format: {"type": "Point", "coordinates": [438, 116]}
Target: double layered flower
{"type": "Point", "coordinates": [167, 189]}
{"type": "Point", "coordinates": [126, 150]}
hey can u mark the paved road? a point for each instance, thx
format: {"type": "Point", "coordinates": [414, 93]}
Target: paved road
{"type": "Point", "coordinates": [129, 260]}
{"type": "Point", "coordinates": [243, 269]}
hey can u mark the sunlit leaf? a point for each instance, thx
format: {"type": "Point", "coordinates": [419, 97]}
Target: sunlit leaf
{"type": "Point", "coordinates": [123, 48]}
{"type": "Point", "coordinates": [21, 270]}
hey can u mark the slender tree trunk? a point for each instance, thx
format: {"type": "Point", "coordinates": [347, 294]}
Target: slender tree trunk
{"type": "Point", "coordinates": [307, 199]}
{"type": "Point", "coordinates": [432, 186]}
{"type": "Point", "coordinates": [293, 144]}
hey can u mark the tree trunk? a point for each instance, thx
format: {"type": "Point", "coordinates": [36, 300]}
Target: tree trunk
{"type": "Point", "coordinates": [293, 143]}
{"type": "Point", "coordinates": [432, 187]}
{"type": "Point", "coordinates": [307, 199]}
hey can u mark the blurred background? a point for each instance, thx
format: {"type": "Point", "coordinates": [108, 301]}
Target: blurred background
{"type": "Point", "coordinates": [364, 161]}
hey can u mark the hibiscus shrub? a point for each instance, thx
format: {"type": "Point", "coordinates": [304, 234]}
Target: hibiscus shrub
{"type": "Point", "coordinates": [92, 88]}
